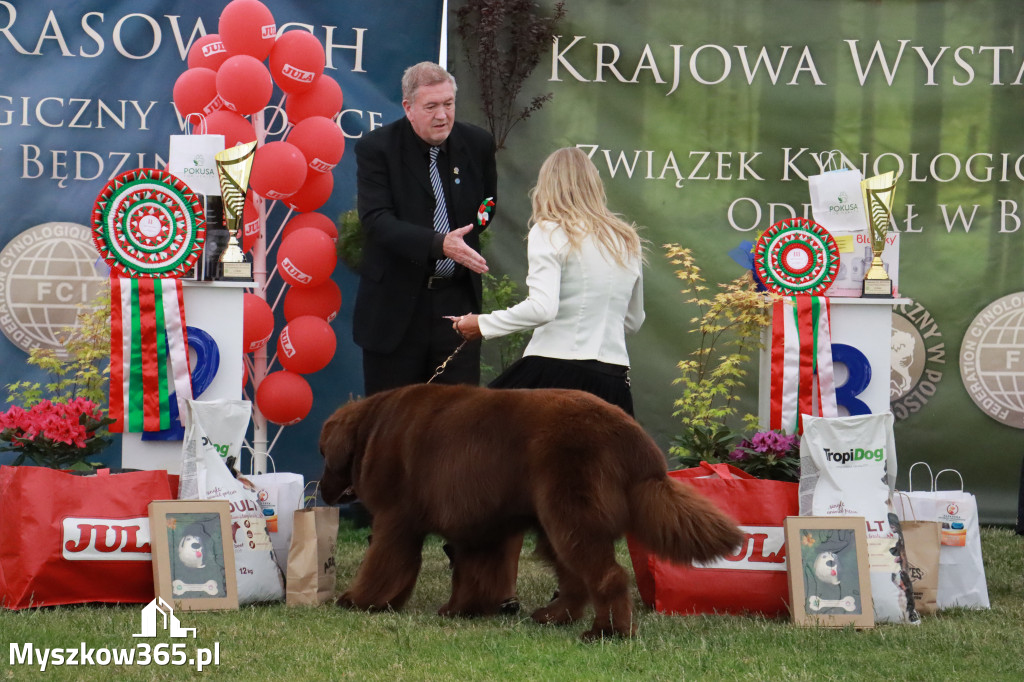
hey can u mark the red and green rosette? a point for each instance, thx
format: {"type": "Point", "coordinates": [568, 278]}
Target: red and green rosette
{"type": "Point", "coordinates": [148, 223]}
{"type": "Point", "coordinates": [796, 256]}
{"type": "Point", "coordinates": [484, 213]}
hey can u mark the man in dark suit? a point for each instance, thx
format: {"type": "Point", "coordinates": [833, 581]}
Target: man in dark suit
{"type": "Point", "coordinates": [421, 260]}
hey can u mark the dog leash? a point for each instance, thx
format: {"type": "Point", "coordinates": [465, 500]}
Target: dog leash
{"type": "Point", "coordinates": [440, 368]}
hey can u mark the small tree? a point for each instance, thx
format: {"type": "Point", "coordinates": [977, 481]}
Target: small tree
{"type": "Point", "coordinates": [81, 369]}
{"type": "Point", "coordinates": [503, 41]}
{"type": "Point", "coordinates": [710, 377]}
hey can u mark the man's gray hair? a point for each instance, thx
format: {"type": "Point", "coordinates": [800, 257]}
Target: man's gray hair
{"type": "Point", "coordinates": [423, 74]}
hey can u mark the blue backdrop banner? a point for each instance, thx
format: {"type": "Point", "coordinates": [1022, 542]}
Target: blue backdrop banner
{"type": "Point", "coordinates": [87, 94]}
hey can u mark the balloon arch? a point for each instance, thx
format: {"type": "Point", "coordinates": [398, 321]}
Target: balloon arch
{"type": "Point", "coordinates": [229, 83]}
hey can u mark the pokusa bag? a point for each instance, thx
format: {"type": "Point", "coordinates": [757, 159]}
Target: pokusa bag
{"type": "Point", "coordinates": [279, 495]}
{"type": "Point", "coordinates": [751, 581]}
{"type": "Point", "coordinates": [961, 569]}
{"type": "Point", "coordinates": [71, 539]}
{"type": "Point", "coordinates": [848, 468]}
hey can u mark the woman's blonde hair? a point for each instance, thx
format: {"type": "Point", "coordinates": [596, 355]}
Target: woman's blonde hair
{"type": "Point", "coordinates": [569, 192]}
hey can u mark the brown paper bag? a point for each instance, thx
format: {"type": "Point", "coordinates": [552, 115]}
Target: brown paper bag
{"type": "Point", "coordinates": [922, 541]}
{"type": "Point", "coordinates": [312, 572]}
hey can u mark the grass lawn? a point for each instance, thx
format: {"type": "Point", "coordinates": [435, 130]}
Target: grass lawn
{"type": "Point", "coordinates": [264, 643]}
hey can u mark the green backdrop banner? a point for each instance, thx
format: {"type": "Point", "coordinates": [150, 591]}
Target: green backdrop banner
{"type": "Point", "coordinates": [706, 119]}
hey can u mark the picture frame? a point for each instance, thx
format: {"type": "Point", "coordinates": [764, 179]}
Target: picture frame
{"type": "Point", "coordinates": [828, 571]}
{"type": "Point", "coordinates": [193, 554]}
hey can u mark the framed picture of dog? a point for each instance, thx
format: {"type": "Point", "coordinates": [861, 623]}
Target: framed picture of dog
{"type": "Point", "coordinates": [193, 556]}
{"type": "Point", "coordinates": [829, 575]}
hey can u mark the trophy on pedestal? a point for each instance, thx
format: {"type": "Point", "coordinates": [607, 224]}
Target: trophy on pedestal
{"type": "Point", "coordinates": [233, 168]}
{"type": "Point", "coordinates": [878, 192]}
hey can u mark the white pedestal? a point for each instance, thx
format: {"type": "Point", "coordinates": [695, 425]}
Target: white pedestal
{"type": "Point", "coordinates": [866, 325]}
{"type": "Point", "coordinates": [216, 308]}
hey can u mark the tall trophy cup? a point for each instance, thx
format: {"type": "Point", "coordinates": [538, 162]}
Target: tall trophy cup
{"type": "Point", "coordinates": [233, 168]}
{"type": "Point", "coordinates": [878, 192]}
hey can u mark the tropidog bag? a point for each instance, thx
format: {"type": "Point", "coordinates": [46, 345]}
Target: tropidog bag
{"type": "Point", "coordinates": [753, 580]}
{"type": "Point", "coordinates": [70, 539]}
{"type": "Point", "coordinates": [848, 468]}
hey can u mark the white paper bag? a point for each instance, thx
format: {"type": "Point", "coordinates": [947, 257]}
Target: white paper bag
{"type": "Point", "coordinates": [848, 468]}
{"type": "Point", "coordinates": [961, 570]}
{"type": "Point", "coordinates": [279, 495]}
{"type": "Point", "coordinates": [836, 200]}
{"type": "Point", "coordinates": [190, 157]}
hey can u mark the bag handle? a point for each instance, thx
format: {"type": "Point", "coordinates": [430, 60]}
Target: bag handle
{"type": "Point", "coordinates": [309, 501]}
{"type": "Point", "coordinates": [910, 476]}
{"type": "Point", "coordinates": [901, 496]}
{"type": "Point", "coordinates": [935, 481]}
{"type": "Point", "coordinates": [834, 161]}
{"type": "Point", "coordinates": [721, 469]}
{"type": "Point", "coordinates": [202, 123]}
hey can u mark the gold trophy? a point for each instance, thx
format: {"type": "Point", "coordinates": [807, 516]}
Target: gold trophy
{"type": "Point", "coordinates": [878, 194]}
{"type": "Point", "coordinates": [233, 168]}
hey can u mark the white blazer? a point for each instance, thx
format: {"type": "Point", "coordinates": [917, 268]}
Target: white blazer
{"type": "Point", "coordinates": [581, 303]}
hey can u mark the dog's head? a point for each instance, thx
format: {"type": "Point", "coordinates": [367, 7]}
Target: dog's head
{"type": "Point", "coordinates": [338, 446]}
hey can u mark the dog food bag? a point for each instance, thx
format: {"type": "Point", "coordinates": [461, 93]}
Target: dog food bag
{"type": "Point", "coordinates": [224, 423]}
{"type": "Point", "coordinates": [205, 476]}
{"type": "Point", "coordinates": [848, 468]}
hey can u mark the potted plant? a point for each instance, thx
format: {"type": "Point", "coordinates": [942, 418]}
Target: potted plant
{"type": "Point", "coordinates": [732, 317]}
{"type": "Point", "coordinates": [58, 435]}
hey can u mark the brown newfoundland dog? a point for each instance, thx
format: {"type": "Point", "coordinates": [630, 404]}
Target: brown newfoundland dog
{"type": "Point", "coordinates": [479, 466]}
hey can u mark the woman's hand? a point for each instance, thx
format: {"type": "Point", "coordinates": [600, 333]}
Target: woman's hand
{"type": "Point", "coordinates": [467, 327]}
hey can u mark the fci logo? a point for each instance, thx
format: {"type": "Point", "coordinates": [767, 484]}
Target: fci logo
{"type": "Point", "coordinates": [952, 509]}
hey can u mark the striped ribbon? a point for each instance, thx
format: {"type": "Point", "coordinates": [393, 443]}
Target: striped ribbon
{"type": "Point", "coordinates": [147, 336]}
{"type": "Point", "coordinates": [801, 352]}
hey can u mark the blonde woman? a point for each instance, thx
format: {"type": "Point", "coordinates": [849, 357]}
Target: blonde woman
{"type": "Point", "coordinates": [585, 288]}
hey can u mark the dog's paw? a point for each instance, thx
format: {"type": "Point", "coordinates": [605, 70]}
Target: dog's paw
{"type": "Point", "coordinates": [345, 601]}
{"type": "Point", "coordinates": [557, 613]}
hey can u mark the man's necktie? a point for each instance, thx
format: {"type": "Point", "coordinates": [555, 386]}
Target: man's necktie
{"type": "Point", "coordinates": [446, 266]}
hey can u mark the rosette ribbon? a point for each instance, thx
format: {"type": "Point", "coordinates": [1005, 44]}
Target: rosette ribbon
{"type": "Point", "coordinates": [801, 362]}
{"type": "Point", "coordinates": [147, 335]}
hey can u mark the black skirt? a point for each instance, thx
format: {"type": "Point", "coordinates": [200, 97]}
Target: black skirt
{"type": "Point", "coordinates": [606, 381]}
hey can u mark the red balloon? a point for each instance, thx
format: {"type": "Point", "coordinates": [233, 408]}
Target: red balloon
{"type": "Point", "coordinates": [323, 300]}
{"type": "Point", "coordinates": [250, 222]}
{"type": "Point", "coordinates": [306, 257]}
{"type": "Point", "coordinates": [235, 128]}
{"type": "Point", "coordinates": [244, 84]}
{"type": "Point", "coordinates": [323, 98]}
{"type": "Point", "coordinates": [278, 170]}
{"type": "Point", "coordinates": [247, 27]}
{"type": "Point", "coordinates": [284, 398]}
{"type": "Point", "coordinates": [306, 344]}
{"type": "Point", "coordinates": [195, 92]}
{"type": "Point", "coordinates": [209, 52]}
{"type": "Point", "coordinates": [317, 220]}
{"type": "Point", "coordinates": [257, 323]}
{"type": "Point", "coordinates": [296, 60]}
{"type": "Point", "coordinates": [321, 141]}
{"type": "Point", "coordinates": [313, 194]}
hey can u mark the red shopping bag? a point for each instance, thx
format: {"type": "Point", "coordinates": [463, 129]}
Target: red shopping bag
{"type": "Point", "coordinates": [751, 581]}
{"type": "Point", "coordinates": [67, 539]}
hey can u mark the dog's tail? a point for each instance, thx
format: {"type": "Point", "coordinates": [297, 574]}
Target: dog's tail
{"type": "Point", "coordinates": [677, 523]}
